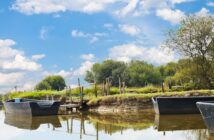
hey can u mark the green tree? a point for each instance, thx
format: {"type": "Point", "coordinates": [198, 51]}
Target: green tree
{"type": "Point", "coordinates": [43, 85]}
{"type": "Point", "coordinates": [51, 82]}
{"type": "Point", "coordinates": [139, 73]}
{"type": "Point", "coordinates": [107, 69]}
{"type": "Point", "coordinates": [193, 39]}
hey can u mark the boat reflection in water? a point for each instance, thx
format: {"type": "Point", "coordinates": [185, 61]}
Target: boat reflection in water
{"type": "Point", "coordinates": [179, 122]}
{"type": "Point", "coordinates": [31, 123]}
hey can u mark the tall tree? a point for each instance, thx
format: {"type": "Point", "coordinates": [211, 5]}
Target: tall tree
{"type": "Point", "coordinates": [193, 39]}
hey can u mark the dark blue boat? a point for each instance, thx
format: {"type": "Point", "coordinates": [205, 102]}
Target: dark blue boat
{"type": "Point", "coordinates": [207, 112]}
{"type": "Point", "coordinates": [31, 107]}
{"type": "Point", "coordinates": [178, 105]}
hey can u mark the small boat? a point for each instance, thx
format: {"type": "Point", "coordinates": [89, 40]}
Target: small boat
{"type": "Point", "coordinates": [207, 112]}
{"type": "Point", "coordinates": [178, 105]}
{"type": "Point", "coordinates": [31, 107]}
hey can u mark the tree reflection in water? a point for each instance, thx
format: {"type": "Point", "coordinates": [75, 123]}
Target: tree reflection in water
{"type": "Point", "coordinates": [191, 126]}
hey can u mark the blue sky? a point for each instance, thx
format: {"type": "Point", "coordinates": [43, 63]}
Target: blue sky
{"type": "Point", "coordinates": [65, 37]}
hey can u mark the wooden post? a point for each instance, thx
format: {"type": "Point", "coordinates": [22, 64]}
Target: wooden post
{"type": "Point", "coordinates": [120, 90]}
{"type": "Point", "coordinates": [97, 132]}
{"type": "Point", "coordinates": [47, 98]}
{"type": "Point", "coordinates": [107, 88]}
{"type": "Point", "coordinates": [81, 128]}
{"type": "Point", "coordinates": [81, 94]}
{"type": "Point", "coordinates": [95, 88]}
{"type": "Point", "coordinates": [162, 85]}
{"type": "Point", "coordinates": [79, 85]}
{"type": "Point", "coordinates": [52, 97]}
{"type": "Point", "coordinates": [67, 125]}
{"type": "Point", "coordinates": [124, 86]}
{"type": "Point", "coordinates": [103, 88]}
{"type": "Point", "coordinates": [71, 130]}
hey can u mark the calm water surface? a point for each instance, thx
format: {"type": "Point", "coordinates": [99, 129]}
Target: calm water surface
{"type": "Point", "coordinates": [143, 126]}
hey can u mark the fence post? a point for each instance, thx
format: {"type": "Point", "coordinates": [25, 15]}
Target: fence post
{"type": "Point", "coordinates": [120, 90]}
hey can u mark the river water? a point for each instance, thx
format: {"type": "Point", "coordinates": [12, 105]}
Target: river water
{"type": "Point", "coordinates": [90, 126]}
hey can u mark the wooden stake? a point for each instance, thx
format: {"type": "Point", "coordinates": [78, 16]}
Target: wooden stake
{"type": "Point", "coordinates": [107, 84]}
{"type": "Point", "coordinates": [81, 94]}
{"type": "Point", "coordinates": [79, 85]}
{"type": "Point", "coordinates": [120, 86]}
{"type": "Point", "coordinates": [124, 86]}
{"type": "Point", "coordinates": [95, 88]}
{"type": "Point", "coordinates": [162, 87]}
{"type": "Point", "coordinates": [103, 88]}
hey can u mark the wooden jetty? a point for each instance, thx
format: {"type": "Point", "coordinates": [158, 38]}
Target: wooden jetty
{"type": "Point", "coordinates": [68, 107]}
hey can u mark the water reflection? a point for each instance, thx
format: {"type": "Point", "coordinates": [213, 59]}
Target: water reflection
{"type": "Point", "coordinates": [179, 122]}
{"type": "Point", "coordinates": [31, 123]}
{"type": "Point", "coordinates": [94, 126]}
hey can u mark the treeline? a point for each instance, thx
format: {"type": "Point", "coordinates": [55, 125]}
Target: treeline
{"type": "Point", "coordinates": [139, 74]}
{"type": "Point", "coordinates": [193, 40]}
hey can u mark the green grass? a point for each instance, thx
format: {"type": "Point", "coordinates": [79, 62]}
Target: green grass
{"type": "Point", "coordinates": [33, 94]}
{"type": "Point", "coordinates": [106, 100]}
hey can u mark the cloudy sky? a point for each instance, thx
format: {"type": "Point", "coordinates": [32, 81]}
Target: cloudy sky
{"type": "Point", "coordinates": [65, 37]}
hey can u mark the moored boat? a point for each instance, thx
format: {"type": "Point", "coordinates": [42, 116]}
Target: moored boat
{"type": "Point", "coordinates": [207, 112]}
{"type": "Point", "coordinates": [178, 105]}
{"type": "Point", "coordinates": [31, 107]}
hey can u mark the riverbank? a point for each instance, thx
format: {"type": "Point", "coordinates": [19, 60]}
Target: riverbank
{"type": "Point", "coordinates": [136, 102]}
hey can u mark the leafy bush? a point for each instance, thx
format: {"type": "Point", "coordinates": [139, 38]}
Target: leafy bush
{"type": "Point", "coordinates": [51, 83]}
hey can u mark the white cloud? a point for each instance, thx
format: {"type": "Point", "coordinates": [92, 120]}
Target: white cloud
{"type": "Point", "coordinates": [173, 16]}
{"type": "Point", "coordinates": [64, 73]}
{"type": "Point", "coordinates": [180, 1]}
{"type": "Point", "coordinates": [128, 52]}
{"type": "Point", "coordinates": [87, 56]}
{"type": "Point", "coordinates": [203, 12]}
{"type": "Point", "coordinates": [130, 7]}
{"type": "Point", "coordinates": [108, 25]}
{"type": "Point", "coordinates": [10, 78]}
{"type": "Point", "coordinates": [30, 7]}
{"type": "Point", "coordinates": [210, 4]}
{"type": "Point", "coordinates": [93, 37]}
{"type": "Point", "coordinates": [7, 42]}
{"type": "Point", "coordinates": [129, 29]}
{"type": "Point", "coordinates": [43, 33]}
{"type": "Point", "coordinates": [76, 33]}
{"type": "Point", "coordinates": [15, 67]}
{"type": "Point", "coordinates": [87, 65]}
{"type": "Point", "coordinates": [21, 63]}
{"type": "Point", "coordinates": [38, 56]}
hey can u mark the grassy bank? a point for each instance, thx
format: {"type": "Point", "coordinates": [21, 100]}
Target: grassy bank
{"type": "Point", "coordinates": [134, 98]}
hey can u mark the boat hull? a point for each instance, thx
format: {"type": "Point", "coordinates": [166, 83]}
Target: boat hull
{"type": "Point", "coordinates": [32, 108]}
{"type": "Point", "coordinates": [178, 105]}
{"type": "Point", "coordinates": [207, 112]}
